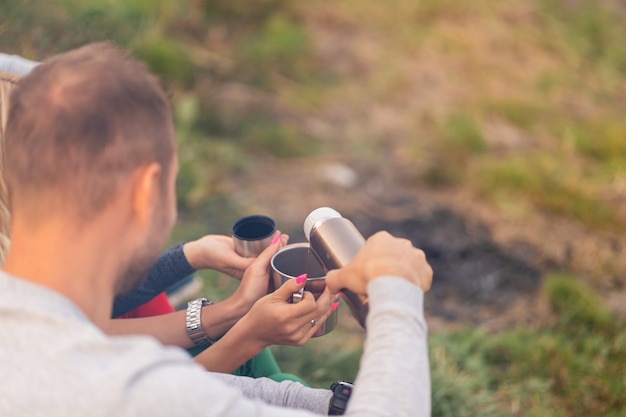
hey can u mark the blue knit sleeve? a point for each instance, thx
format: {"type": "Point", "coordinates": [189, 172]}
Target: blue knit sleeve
{"type": "Point", "coordinates": [170, 267]}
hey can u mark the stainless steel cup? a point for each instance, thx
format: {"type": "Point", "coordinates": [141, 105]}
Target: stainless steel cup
{"type": "Point", "coordinates": [294, 260]}
{"type": "Point", "coordinates": [252, 234]}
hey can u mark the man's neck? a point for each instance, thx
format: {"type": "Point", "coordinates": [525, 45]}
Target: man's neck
{"type": "Point", "coordinates": [52, 254]}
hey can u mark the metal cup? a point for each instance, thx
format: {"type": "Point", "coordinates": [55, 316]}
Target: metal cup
{"type": "Point", "coordinates": [252, 234]}
{"type": "Point", "coordinates": [297, 259]}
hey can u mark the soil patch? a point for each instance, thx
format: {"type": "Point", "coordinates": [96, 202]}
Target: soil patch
{"type": "Point", "coordinates": [474, 280]}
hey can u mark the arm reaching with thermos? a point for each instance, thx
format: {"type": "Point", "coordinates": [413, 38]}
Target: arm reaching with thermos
{"type": "Point", "coordinates": [394, 376]}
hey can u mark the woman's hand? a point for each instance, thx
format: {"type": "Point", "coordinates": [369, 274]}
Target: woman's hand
{"type": "Point", "coordinates": [216, 252]}
{"type": "Point", "coordinates": [253, 286]}
{"type": "Point", "coordinates": [255, 281]}
{"type": "Point", "coordinates": [273, 320]}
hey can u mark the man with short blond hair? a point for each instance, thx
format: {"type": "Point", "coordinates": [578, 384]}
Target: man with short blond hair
{"type": "Point", "coordinates": [91, 168]}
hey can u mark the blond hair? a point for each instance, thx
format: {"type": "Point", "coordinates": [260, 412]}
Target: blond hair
{"type": "Point", "coordinates": [7, 84]}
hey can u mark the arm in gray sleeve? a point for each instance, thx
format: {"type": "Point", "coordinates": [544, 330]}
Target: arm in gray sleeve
{"type": "Point", "coordinates": [16, 65]}
{"type": "Point", "coordinates": [394, 375]}
{"type": "Point", "coordinates": [288, 394]}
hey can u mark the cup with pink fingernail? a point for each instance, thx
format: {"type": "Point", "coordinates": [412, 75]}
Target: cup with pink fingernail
{"type": "Point", "coordinates": [294, 260]}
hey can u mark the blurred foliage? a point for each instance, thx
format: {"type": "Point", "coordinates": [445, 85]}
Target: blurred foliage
{"type": "Point", "coordinates": [242, 73]}
{"type": "Point", "coordinates": [462, 132]}
{"type": "Point", "coordinates": [196, 48]}
{"type": "Point", "coordinates": [562, 136]}
{"type": "Point", "coordinates": [251, 67]}
{"type": "Point", "coordinates": [459, 377]}
{"type": "Point", "coordinates": [593, 30]}
{"type": "Point", "coordinates": [167, 58]}
{"type": "Point", "coordinates": [522, 114]}
{"type": "Point", "coordinates": [540, 178]}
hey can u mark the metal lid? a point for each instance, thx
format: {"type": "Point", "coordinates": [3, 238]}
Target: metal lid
{"type": "Point", "coordinates": [317, 216]}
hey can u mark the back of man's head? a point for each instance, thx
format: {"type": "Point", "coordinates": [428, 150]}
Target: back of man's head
{"type": "Point", "coordinates": [78, 126]}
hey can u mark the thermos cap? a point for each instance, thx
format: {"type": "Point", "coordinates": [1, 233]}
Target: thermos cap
{"type": "Point", "coordinates": [316, 216]}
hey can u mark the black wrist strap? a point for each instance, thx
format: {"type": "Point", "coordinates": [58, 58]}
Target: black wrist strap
{"type": "Point", "coordinates": [339, 401]}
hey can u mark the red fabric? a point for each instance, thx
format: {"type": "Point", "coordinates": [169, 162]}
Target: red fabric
{"type": "Point", "coordinates": [157, 306]}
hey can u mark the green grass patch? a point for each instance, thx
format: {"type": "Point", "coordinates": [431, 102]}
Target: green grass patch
{"type": "Point", "coordinates": [578, 309]}
{"type": "Point", "coordinates": [603, 141]}
{"type": "Point", "coordinates": [460, 376]}
{"type": "Point", "coordinates": [280, 45]}
{"type": "Point", "coordinates": [522, 114]}
{"type": "Point", "coordinates": [249, 11]}
{"type": "Point", "coordinates": [549, 184]}
{"type": "Point", "coordinates": [279, 139]}
{"type": "Point", "coordinates": [321, 361]}
{"type": "Point", "coordinates": [461, 132]}
{"type": "Point", "coordinates": [593, 31]}
{"type": "Point", "coordinates": [168, 59]}
{"type": "Point", "coordinates": [574, 367]}
{"type": "Point", "coordinates": [457, 139]}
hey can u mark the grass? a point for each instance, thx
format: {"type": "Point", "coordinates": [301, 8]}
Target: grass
{"type": "Point", "coordinates": [543, 180]}
{"type": "Point", "coordinates": [523, 114]}
{"type": "Point", "coordinates": [462, 132]}
{"type": "Point", "coordinates": [572, 367]}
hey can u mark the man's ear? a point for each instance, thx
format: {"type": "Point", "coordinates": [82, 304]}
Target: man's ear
{"type": "Point", "coordinates": [145, 192]}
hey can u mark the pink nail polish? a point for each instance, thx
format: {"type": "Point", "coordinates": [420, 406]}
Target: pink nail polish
{"type": "Point", "coordinates": [337, 296]}
{"type": "Point", "coordinates": [334, 306]}
{"type": "Point", "coordinates": [275, 239]}
{"type": "Point", "coordinates": [300, 279]}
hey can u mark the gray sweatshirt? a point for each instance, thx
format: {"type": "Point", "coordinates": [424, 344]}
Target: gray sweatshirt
{"type": "Point", "coordinates": [55, 363]}
{"type": "Point", "coordinates": [16, 65]}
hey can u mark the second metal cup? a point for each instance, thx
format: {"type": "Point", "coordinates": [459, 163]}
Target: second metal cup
{"type": "Point", "coordinates": [294, 260]}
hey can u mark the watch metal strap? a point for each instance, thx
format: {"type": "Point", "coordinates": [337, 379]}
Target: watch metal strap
{"type": "Point", "coordinates": [194, 323]}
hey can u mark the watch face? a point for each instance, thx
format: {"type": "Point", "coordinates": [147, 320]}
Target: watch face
{"type": "Point", "coordinates": [342, 384]}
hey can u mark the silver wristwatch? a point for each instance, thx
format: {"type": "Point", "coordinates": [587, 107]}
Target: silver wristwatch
{"type": "Point", "coordinates": [194, 323]}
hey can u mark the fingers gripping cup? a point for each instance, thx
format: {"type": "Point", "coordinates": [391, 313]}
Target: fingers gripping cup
{"type": "Point", "coordinates": [297, 259]}
{"type": "Point", "coordinates": [252, 234]}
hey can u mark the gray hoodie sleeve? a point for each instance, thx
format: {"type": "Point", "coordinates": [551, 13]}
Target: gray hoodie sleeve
{"type": "Point", "coordinates": [394, 375]}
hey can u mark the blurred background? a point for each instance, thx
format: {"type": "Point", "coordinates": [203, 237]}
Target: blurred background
{"type": "Point", "coordinates": [490, 133]}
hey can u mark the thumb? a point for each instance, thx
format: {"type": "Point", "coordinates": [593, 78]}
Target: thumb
{"type": "Point", "coordinates": [286, 291]}
{"type": "Point", "coordinates": [333, 280]}
{"type": "Point", "coordinates": [265, 257]}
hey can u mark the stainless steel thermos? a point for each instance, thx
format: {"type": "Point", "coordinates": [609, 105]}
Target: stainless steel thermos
{"type": "Point", "coordinates": [335, 241]}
